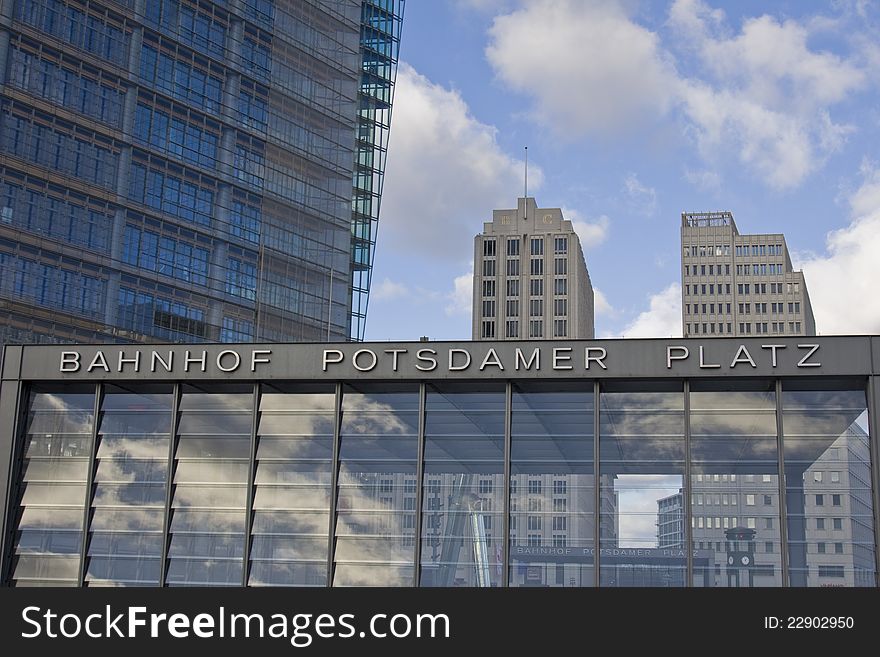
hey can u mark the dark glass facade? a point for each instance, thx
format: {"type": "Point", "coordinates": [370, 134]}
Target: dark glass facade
{"type": "Point", "coordinates": [713, 482]}
{"type": "Point", "coordinates": [192, 171]}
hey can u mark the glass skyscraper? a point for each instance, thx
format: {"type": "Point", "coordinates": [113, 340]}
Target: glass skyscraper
{"type": "Point", "coordinates": [186, 170]}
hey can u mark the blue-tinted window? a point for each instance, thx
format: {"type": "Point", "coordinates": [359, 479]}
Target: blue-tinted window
{"type": "Point", "coordinates": [165, 255]}
{"type": "Point", "coordinates": [241, 279]}
{"type": "Point", "coordinates": [190, 26]}
{"type": "Point", "coordinates": [53, 287]}
{"type": "Point", "coordinates": [236, 330]}
{"type": "Point", "coordinates": [257, 58]}
{"type": "Point", "coordinates": [159, 317]}
{"type": "Point", "coordinates": [52, 218]}
{"type": "Point", "coordinates": [170, 194]}
{"type": "Point", "coordinates": [253, 109]}
{"type": "Point", "coordinates": [181, 80]}
{"type": "Point", "coordinates": [71, 24]}
{"type": "Point", "coordinates": [57, 150]}
{"type": "Point", "coordinates": [245, 221]}
{"type": "Point", "coordinates": [72, 90]}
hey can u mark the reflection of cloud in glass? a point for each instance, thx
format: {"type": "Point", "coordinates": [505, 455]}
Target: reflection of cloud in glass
{"type": "Point", "coordinates": [364, 414]}
{"type": "Point", "coordinates": [292, 496]}
{"type": "Point", "coordinates": [371, 546]}
{"type": "Point", "coordinates": [637, 506]}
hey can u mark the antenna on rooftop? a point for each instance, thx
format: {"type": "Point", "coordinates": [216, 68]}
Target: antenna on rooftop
{"type": "Point", "coordinates": [526, 181]}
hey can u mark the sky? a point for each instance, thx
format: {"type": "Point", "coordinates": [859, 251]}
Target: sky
{"type": "Point", "coordinates": [633, 112]}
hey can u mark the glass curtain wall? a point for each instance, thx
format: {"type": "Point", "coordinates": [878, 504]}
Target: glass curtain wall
{"type": "Point", "coordinates": [829, 510]}
{"type": "Point", "coordinates": [552, 501]}
{"type": "Point", "coordinates": [210, 478]}
{"type": "Point", "coordinates": [52, 493]}
{"type": "Point", "coordinates": [130, 484]}
{"type": "Point", "coordinates": [293, 485]}
{"type": "Point", "coordinates": [376, 504]}
{"type": "Point", "coordinates": [160, 479]}
{"type": "Point", "coordinates": [735, 484]}
{"type": "Point", "coordinates": [463, 490]}
{"type": "Point", "coordinates": [642, 458]}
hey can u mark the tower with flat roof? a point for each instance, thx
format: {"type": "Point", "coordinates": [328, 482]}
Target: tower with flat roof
{"type": "Point", "coordinates": [735, 284]}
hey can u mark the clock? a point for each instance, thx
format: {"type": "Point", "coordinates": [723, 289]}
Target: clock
{"type": "Point", "coordinates": [745, 560]}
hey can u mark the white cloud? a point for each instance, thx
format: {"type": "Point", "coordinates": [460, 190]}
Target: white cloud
{"type": "Point", "coordinates": [484, 5]}
{"type": "Point", "coordinates": [641, 197]}
{"type": "Point", "coordinates": [842, 282]}
{"type": "Point", "coordinates": [588, 67]}
{"type": "Point", "coordinates": [761, 92]}
{"type": "Point", "coordinates": [766, 95]}
{"type": "Point", "coordinates": [445, 173]}
{"type": "Point", "coordinates": [388, 289]}
{"type": "Point", "coordinates": [772, 64]}
{"type": "Point", "coordinates": [590, 232]}
{"type": "Point", "coordinates": [662, 319]}
{"type": "Point", "coordinates": [705, 179]}
{"type": "Point", "coordinates": [693, 19]}
{"type": "Point", "coordinates": [461, 297]}
{"type": "Point", "coordinates": [601, 306]}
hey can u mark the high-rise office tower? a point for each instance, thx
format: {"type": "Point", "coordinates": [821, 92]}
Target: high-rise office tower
{"type": "Point", "coordinates": [530, 277]}
{"type": "Point", "coordinates": [191, 170]}
{"type": "Point", "coordinates": [735, 284]}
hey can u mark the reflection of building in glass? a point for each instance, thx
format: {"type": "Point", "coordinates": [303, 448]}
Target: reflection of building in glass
{"type": "Point", "coordinates": [530, 277]}
{"type": "Point", "coordinates": [735, 284]}
{"type": "Point", "coordinates": [190, 170]}
{"type": "Point", "coordinates": [670, 521]}
{"type": "Point", "coordinates": [242, 478]}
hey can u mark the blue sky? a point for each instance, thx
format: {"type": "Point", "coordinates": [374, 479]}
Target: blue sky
{"type": "Point", "coordinates": [633, 112]}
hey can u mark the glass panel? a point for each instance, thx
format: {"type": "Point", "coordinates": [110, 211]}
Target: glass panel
{"type": "Point", "coordinates": [641, 456]}
{"type": "Point", "coordinates": [376, 508]}
{"type": "Point", "coordinates": [463, 485]}
{"type": "Point", "coordinates": [125, 542]}
{"type": "Point", "coordinates": [58, 441]}
{"type": "Point", "coordinates": [735, 484]}
{"type": "Point", "coordinates": [293, 481]}
{"type": "Point", "coordinates": [552, 517]}
{"type": "Point", "coordinates": [828, 487]}
{"type": "Point", "coordinates": [210, 486]}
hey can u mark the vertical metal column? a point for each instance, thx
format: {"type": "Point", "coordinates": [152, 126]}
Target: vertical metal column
{"type": "Point", "coordinates": [597, 516]}
{"type": "Point", "coordinates": [334, 482]}
{"type": "Point", "coordinates": [13, 407]}
{"type": "Point", "coordinates": [420, 480]}
{"type": "Point", "coordinates": [90, 481]}
{"type": "Point", "coordinates": [249, 504]}
{"type": "Point", "coordinates": [783, 516]}
{"type": "Point", "coordinates": [687, 511]}
{"type": "Point", "coordinates": [169, 484]}
{"type": "Point", "coordinates": [873, 436]}
{"type": "Point", "coordinates": [505, 521]}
